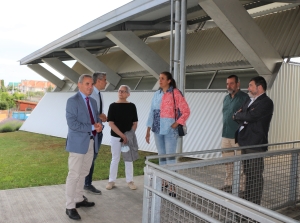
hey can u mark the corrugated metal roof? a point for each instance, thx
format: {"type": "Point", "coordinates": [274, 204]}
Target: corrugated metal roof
{"type": "Point", "coordinates": [211, 49]}
{"type": "Point", "coordinates": [283, 31]}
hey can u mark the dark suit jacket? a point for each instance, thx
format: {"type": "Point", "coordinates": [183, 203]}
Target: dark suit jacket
{"type": "Point", "coordinates": [258, 115]}
{"type": "Point", "coordinates": [79, 124]}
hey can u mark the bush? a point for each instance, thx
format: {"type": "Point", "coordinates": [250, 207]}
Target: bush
{"type": "Point", "coordinates": [6, 128]}
{"type": "Point", "coordinates": [3, 105]}
{"type": "Point", "coordinates": [10, 125]}
{"type": "Point", "coordinates": [18, 126]}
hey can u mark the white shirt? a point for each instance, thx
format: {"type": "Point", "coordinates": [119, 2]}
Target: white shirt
{"type": "Point", "coordinates": [95, 95]}
{"type": "Point", "coordinates": [252, 100]}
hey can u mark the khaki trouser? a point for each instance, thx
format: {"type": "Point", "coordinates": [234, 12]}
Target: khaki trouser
{"type": "Point", "coordinates": [79, 168]}
{"type": "Point", "coordinates": [228, 143]}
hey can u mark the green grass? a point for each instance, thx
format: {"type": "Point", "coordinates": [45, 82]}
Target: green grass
{"type": "Point", "coordinates": [29, 159]}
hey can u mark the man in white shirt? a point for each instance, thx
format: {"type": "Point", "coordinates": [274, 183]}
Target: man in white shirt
{"type": "Point", "coordinates": [99, 79]}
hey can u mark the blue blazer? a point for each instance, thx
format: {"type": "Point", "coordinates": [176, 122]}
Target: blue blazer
{"type": "Point", "coordinates": [79, 124]}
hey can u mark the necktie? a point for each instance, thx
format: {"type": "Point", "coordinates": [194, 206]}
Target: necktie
{"type": "Point", "coordinates": [91, 114]}
{"type": "Point", "coordinates": [100, 109]}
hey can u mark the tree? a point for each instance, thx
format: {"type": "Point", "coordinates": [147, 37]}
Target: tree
{"type": "Point", "coordinates": [10, 99]}
{"type": "Point", "coordinates": [49, 89]}
{"type": "Point", "coordinates": [6, 97]}
{"type": "Point", "coordinates": [3, 105]}
{"type": "Point", "coordinates": [19, 96]}
{"type": "Point", "coordinates": [2, 87]}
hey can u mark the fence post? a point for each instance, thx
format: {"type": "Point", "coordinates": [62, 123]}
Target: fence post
{"type": "Point", "coordinates": [156, 200]}
{"type": "Point", "coordinates": [236, 177]}
{"type": "Point", "coordinates": [147, 195]}
{"type": "Point", "coordinates": [293, 178]}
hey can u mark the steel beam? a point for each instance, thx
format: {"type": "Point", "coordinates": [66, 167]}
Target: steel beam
{"type": "Point", "coordinates": [94, 64]}
{"type": "Point", "coordinates": [47, 75]}
{"type": "Point", "coordinates": [62, 68]}
{"type": "Point", "coordinates": [139, 51]}
{"type": "Point", "coordinates": [244, 33]}
{"type": "Point", "coordinates": [283, 1]}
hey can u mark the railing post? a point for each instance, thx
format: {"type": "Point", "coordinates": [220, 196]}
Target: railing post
{"type": "Point", "coordinates": [146, 196]}
{"type": "Point", "coordinates": [293, 178]}
{"type": "Point", "coordinates": [236, 177]}
{"type": "Point", "coordinates": [156, 200]}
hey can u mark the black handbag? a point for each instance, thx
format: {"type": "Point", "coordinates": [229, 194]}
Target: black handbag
{"type": "Point", "coordinates": [182, 129]}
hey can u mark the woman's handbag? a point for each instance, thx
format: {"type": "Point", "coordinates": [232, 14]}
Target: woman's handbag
{"type": "Point", "coordinates": [182, 129]}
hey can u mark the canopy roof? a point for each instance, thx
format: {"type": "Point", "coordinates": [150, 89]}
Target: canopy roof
{"type": "Point", "coordinates": [146, 18]}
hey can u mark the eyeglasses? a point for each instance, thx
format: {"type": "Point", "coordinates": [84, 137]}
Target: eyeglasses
{"type": "Point", "coordinates": [122, 91]}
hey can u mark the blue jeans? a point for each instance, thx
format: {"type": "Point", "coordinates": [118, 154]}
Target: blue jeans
{"type": "Point", "coordinates": [166, 144]}
{"type": "Point", "coordinates": [89, 178]}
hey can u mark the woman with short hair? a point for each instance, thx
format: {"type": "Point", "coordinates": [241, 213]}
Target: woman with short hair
{"type": "Point", "coordinates": [122, 117]}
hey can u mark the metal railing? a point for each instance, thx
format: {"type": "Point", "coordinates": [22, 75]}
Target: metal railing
{"type": "Point", "coordinates": [195, 191]}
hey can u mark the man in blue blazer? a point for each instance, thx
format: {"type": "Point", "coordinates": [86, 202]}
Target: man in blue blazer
{"type": "Point", "coordinates": [83, 126]}
{"type": "Point", "coordinates": [254, 119]}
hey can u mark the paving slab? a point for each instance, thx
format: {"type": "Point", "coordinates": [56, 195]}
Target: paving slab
{"type": "Point", "coordinates": [46, 204]}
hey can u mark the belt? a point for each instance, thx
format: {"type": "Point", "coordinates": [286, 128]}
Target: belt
{"type": "Point", "coordinates": [91, 137]}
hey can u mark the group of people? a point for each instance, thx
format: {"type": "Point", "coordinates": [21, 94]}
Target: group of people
{"type": "Point", "coordinates": [85, 118]}
{"type": "Point", "coordinates": [246, 121]}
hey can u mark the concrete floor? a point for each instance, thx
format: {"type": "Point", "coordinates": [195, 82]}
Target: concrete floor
{"type": "Point", "coordinates": [46, 204]}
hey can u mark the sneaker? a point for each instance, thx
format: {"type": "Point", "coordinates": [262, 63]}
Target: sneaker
{"type": "Point", "coordinates": [110, 185]}
{"type": "Point", "coordinates": [92, 189]}
{"type": "Point", "coordinates": [131, 185]}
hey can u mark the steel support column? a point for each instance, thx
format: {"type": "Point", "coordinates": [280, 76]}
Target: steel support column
{"type": "Point", "coordinates": [93, 64]}
{"type": "Point", "coordinates": [47, 75]}
{"type": "Point", "coordinates": [62, 68]}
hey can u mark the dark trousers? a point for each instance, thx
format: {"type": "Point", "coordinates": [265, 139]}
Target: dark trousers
{"type": "Point", "coordinates": [253, 170]}
{"type": "Point", "coordinates": [89, 178]}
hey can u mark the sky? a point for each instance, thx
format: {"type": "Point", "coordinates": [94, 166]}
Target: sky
{"type": "Point", "coordinates": [26, 26]}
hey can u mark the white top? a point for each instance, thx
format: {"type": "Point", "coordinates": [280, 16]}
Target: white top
{"type": "Point", "coordinates": [95, 95]}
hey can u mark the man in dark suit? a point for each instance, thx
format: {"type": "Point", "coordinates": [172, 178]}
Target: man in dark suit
{"type": "Point", "coordinates": [83, 126]}
{"type": "Point", "coordinates": [254, 121]}
{"type": "Point", "coordinates": [99, 79]}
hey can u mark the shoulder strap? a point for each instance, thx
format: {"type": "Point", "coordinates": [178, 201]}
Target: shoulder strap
{"type": "Point", "coordinates": [174, 105]}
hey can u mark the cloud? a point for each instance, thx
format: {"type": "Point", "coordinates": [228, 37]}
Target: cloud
{"type": "Point", "coordinates": [26, 26]}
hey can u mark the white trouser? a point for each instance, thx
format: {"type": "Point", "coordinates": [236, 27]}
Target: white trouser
{"type": "Point", "coordinates": [79, 168]}
{"type": "Point", "coordinates": [116, 153]}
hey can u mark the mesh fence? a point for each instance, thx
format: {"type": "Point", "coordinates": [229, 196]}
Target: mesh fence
{"type": "Point", "coordinates": [173, 213]}
{"type": "Point", "coordinates": [270, 180]}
